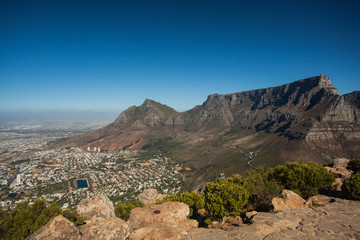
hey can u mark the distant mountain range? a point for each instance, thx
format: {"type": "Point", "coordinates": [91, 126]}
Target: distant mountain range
{"type": "Point", "coordinates": [304, 119]}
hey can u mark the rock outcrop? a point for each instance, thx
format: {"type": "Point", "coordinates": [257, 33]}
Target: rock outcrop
{"type": "Point", "coordinates": [335, 220]}
{"type": "Point", "coordinates": [150, 196]}
{"type": "Point", "coordinates": [96, 209]}
{"type": "Point", "coordinates": [57, 228]}
{"type": "Point", "coordinates": [289, 200]}
{"type": "Point", "coordinates": [101, 222]}
{"type": "Point", "coordinates": [340, 171]}
{"type": "Point", "coordinates": [107, 229]}
{"type": "Point", "coordinates": [169, 219]}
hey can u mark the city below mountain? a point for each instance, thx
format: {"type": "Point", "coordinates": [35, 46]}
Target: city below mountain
{"type": "Point", "coordinates": [233, 133]}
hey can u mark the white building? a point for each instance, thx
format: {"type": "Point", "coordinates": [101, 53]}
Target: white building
{"type": "Point", "coordinates": [18, 178]}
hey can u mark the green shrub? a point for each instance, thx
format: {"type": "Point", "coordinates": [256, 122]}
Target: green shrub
{"type": "Point", "coordinates": [48, 213]}
{"type": "Point", "coordinates": [224, 197]}
{"type": "Point", "coordinates": [263, 187]}
{"type": "Point", "coordinates": [351, 187]}
{"type": "Point", "coordinates": [237, 179]}
{"type": "Point", "coordinates": [74, 217]}
{"type": "Point", "coordinates": [123, 210]}
{"type": "Point", "coordinates": [354, 164]}
{"type": "Point", "coordinates": [208, 221]}
{"type": "Point", "coordinates": [194, 200]}
{"type": "Point", "coordinates": [304, 179]}
{"type": "Point", "coordinates": [25, 219]}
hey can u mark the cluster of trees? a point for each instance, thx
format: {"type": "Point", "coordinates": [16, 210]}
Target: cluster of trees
{"type": "Point", "coordinates": [25, 219]}
{"type": "Point", "coordinates": [351, 186]}
{"type": "Point", "coordinates": [231, 196]}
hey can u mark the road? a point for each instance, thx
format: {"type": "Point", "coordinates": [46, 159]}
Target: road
{"type": "Point", "coordinates": [251, 157]}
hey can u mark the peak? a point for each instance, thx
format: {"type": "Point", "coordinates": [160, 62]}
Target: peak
{"type": "Point", "coordinates": [154, 104]}
{"type": "Point", "coordinates": [324, 82]}
{"type": "Point", "coordinates": [148, 101]}
{"type": "Point", "coordinates": [324, 79]}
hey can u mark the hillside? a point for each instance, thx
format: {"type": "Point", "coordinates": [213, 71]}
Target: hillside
{"type": "Point", "coordinates": [304, 119]}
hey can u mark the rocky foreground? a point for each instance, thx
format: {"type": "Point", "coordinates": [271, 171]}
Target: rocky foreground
{"type": "Point", "coordinates": [294, 219]}
{"type": "Point", "coordinates": [336, 220]}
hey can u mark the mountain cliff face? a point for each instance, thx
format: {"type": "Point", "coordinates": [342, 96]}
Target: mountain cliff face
{"type": "Point", "coordinates": [275, 109]}
{"type": "Point", "coordinates": [307, 118]}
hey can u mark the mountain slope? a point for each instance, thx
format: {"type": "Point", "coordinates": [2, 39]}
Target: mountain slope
{"type": "Point", "coordinates": [306, 118]}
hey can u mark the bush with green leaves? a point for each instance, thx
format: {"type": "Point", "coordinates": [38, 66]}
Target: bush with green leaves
{"type": "Point", "coordinates": [225, 197]}
{"type": "Point", "coordinates": [73, 216]}
{"type": "Point", "coordinates": [354, 164]}
{"type": "Point", "coordinates": [25, 219]}
{"type": "Point", "coordinates": [351, 187]}
{"type": "Point", "coordinates": [194, 200]}
{"type": "Point", "coordinates": [263, 187]}
{"type": "Point", "coordinates": [123, 210]}
{"type": "Point", "coordinates": [305, 179]}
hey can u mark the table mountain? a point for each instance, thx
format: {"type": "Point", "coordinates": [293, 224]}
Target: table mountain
{"type": "Point", "coordinates": [304, 119]}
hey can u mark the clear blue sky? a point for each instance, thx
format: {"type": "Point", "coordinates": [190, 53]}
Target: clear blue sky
{"type": "Point", "coordinates": [108, 55]}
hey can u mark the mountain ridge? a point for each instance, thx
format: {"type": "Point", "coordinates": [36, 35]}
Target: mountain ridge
{"type": "Point", "coordinates": [306, 118]}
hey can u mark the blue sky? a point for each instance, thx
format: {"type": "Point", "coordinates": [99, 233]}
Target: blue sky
{"type": "Point", "coordinates": [109, 55]}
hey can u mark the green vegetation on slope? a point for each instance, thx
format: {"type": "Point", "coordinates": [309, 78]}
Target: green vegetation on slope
{"type": "Point", "coordinates": [354, 164]}
{"type": "Point", "coordinates": [231, 196]}
{"type": "Point", "coordinates": [304, 179]}
{"type": "Point", "coordinates": [351, 187]}
{"type": "Point", "coordinates": [224, 197]}
{"type": "Point", "coordinates": [25, 219]}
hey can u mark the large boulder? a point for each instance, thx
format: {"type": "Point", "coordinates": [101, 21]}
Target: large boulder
{"type": "Point", "coordinates": [165, 221]}
{"type": "Point", "coordinates": [289, 200]}
{"type": "Point", "coordinates": [168, 213]}
{"type": "Point", "coordinates": [96, 209]}
{"type": "Point", "coordinates": [101, 222]}
{"type": "Point", "coordinates": [109, 229]}
{"type": "Point", "coordinates": [58, 228]}
{"type": "Point", "coordinates": [150, 196]}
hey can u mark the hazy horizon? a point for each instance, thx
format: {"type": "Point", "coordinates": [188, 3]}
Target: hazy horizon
{"type": "Point", "coordinates": [57, 116]}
